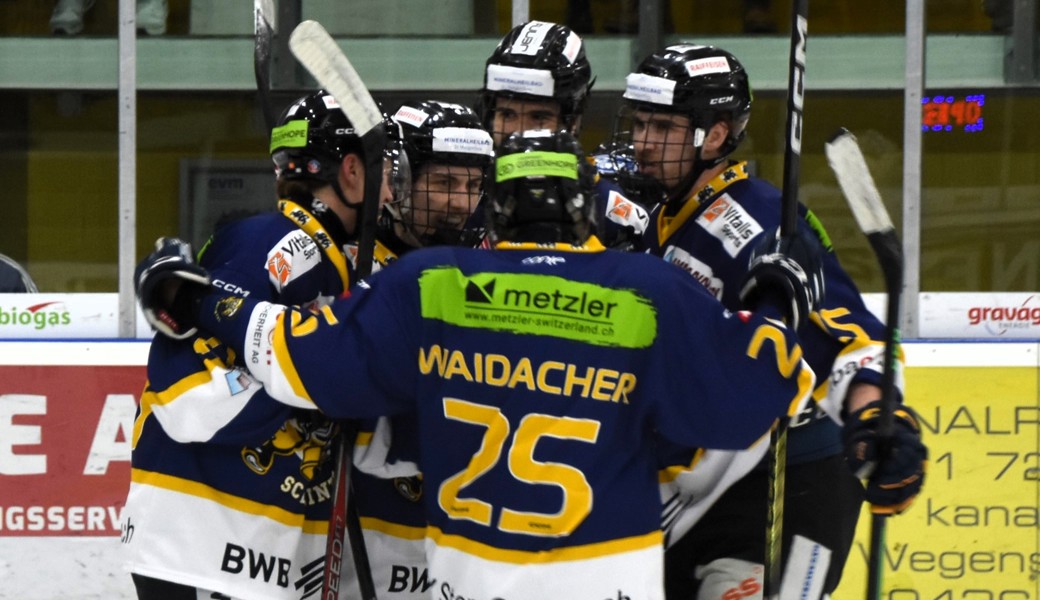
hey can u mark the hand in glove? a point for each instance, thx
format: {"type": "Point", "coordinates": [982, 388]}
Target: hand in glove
{"type": "Point", "coordinates": [169, 287]}
{"type": "Point", "coordinates": [894, 471]}
{"type": "Point", "coordinates": [787, 274]}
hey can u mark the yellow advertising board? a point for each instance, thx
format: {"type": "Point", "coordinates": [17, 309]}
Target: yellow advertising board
{"type": "Point", "coordinates": [974, 532]}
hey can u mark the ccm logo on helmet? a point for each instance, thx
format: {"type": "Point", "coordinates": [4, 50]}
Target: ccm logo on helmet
{"type": "Point", "coordinates": [344, 131]}
{"type": "Point", "coordinates": [722, 100]}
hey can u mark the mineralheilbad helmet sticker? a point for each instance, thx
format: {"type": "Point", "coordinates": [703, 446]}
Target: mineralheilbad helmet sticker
{"type": "Point", "coordinates": [536, 304]}
{"type": "Point", "coordinates": [648, 88]}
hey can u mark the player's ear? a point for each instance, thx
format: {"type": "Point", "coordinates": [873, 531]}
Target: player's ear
{"type": "Point", "coordinates": [716, 136]}
{"type": "Point", "coordinates": [352, 171]}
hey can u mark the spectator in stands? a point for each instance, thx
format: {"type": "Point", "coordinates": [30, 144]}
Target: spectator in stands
{"type": "Point", "coordinates": [67, 17]}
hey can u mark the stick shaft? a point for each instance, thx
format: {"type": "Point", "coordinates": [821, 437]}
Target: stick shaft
{"type": "Point", "coordinates": [850, 167]}
{"type": "Point", "coordinates": [263, 31]}
{"type": "Point", "coordinates": [316, 50]}
{"type": "Point", "coordinates": [777, 457]}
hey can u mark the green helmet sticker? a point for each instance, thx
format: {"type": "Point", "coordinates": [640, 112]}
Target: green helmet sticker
{"type": "Point", "coordinates": [539, 305]}
{"type": "Point", "coordinates": [291, 135]}
{"type": "Point", "coordinates": [527, 164]}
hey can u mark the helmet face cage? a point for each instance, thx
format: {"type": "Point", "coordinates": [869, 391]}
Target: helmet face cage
{"type": "Point", "coordinates": [694, 87]}
{"type": "Point", "coordinates": [537, 61]}
{"type": "Point", "coordinates": [448, 153]}
{"type": "Point", "coordinates": [664, 147]}
{"type": "Point", "coordinates": [311, 139]}
{"type": "Point", "coordinates": [541, 190]}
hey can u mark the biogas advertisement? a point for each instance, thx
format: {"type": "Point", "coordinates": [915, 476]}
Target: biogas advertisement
{"type": "Point", "coordinates": [973, 532]}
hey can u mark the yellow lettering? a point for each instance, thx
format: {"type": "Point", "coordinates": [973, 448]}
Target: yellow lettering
{"type": "Point", "coordinates": [435, 358]}
{"type": "Point", "coordinates": [626, 383]}
{"type": "Point", "coordinates": [523, 374]}
{"type": "Point", "coordinates": [497, 360]}
{"type": "Point", "coordinates": [457, 366]}
{"type": "Point", "coordinates": [786, 362]}
{"type": "Point", "coordinates": [543, 370]}
{"type": "Point", "coordinates": [478, 367]}
{"type": "Point", "coordinates": [606, 380]}
{"type": "Point", "coordinates": [571, 379]}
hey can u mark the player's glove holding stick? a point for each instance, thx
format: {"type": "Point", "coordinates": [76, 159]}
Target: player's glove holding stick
{"type": "Point", "coordinates": [785, 273]}
{"type": "Point", "coordinates": [894, 472]}
{"type": "Point", "coordinates": [170, 286]}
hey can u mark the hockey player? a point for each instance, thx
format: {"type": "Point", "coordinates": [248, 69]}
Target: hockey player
{"type": "Point", "coordinates": [685, 111]}
{"type": "Point", "coordinates": [538, 77]}
{"type": "Point", "coordinates": [541, 374]}
{"type": "Point", "coordinates": [444, 155]}
{"type": "Point", "coordinates": [230, 490]}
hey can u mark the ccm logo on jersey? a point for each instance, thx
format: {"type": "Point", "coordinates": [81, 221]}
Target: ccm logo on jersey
{"type": "Point", "coordinates": [624, 212]}
{"type": "Point", "coordinates": [700, 271]}
{"type": "Point", "coordinates": [730, 223]}
{"type": "Point", "coordinates": [292, 256]}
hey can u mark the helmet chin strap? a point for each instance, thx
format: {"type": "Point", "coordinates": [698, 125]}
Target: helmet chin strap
{"type": "Point", "coordinates": [354, 206]}
{"type": "Point", "coordinates": [331, 221]}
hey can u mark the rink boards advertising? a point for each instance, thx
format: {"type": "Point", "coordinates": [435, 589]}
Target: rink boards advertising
{"type": "Point", "coordinates": [66, 420]}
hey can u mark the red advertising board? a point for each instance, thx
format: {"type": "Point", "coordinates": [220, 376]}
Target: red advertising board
{"type": "Point", "coordinates": [65, 433]}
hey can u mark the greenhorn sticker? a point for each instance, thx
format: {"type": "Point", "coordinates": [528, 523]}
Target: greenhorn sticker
{"type": "Point", "coordinates": [528, 164]}
{"type": "Point", "coordinates": [537, 304]}
{"type": "Point", "coordinates": [291, 135]}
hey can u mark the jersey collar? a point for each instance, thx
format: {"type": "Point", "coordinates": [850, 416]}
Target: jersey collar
{"type": "Point", "coordinates": [310, 225]}
{"type": "Point", "coordinates": [591, 245]}
{"type": "Point", "coordinates": [667, 225]}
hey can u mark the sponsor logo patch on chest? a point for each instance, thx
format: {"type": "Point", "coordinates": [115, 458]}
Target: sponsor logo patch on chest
{"type": "Point", "coordinates": [730, 223]}
{"type": "Point", "coordinates": [700, 271]}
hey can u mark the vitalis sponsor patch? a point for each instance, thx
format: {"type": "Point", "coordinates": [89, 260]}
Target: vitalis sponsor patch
{"type": "Point", "coordinates": [292, 256]}
{"type": "Point", "coordinates": [700, 271]}
{"type": "Point", "coordinates": [730, 223]}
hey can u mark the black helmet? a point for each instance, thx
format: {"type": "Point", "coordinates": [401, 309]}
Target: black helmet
{"type": "Point", "coordinates": [442, 132]}
{"type": "Point", "coordinates": [538, 60]}
{"type": "Point", "coordinates": [541, 190]}
{"type": "Point", "coordinates": [705, 83]}
{"type": "Point", "coordinates": [439, 133]}
{"type": "Point", "coordinates": [311, 138]}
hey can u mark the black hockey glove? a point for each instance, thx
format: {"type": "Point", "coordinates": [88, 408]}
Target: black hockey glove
{"type": "Point", "coordinates": [786, 273]}
{"type": "Point", "coordinates": [170, 286]}
{"type": "Point", "coordinates": [894, 474]}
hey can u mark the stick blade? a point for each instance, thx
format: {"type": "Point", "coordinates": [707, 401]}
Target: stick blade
{"type": "Point", "coordinates": [850, 167]}
{"type": "Point", "coordinates": [312, 45]}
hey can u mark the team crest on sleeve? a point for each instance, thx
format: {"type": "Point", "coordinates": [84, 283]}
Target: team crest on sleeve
{"type": "Point", "coordinates": [730, 223]}
{"type": "Point", "coordinates": [293, 255]}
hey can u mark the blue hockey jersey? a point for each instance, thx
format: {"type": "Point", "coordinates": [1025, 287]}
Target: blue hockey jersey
{"type": "Point", "coordinates": [540, 377]}
{"type": "Point", "coordinates": [711, 238]}
{"type": "Point", "coordinates": [230, 489]}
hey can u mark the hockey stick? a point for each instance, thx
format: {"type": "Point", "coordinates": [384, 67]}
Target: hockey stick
{"type": "Point", "coordinates": [849, 166]}
{"type": "Point", "coordinates": [777, 457]}
{"type": "Point", "coordinates": [263, 32]}
{"type": "Point", "coordinates": [312, 45]}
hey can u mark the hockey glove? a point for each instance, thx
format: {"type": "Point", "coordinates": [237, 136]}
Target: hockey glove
{"type": "Point", "coordinates": [787, 274]}
{"type": "Point", "coordinates": [170, 286]}
{"type": "Point", "coordinates": [894, 471]}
